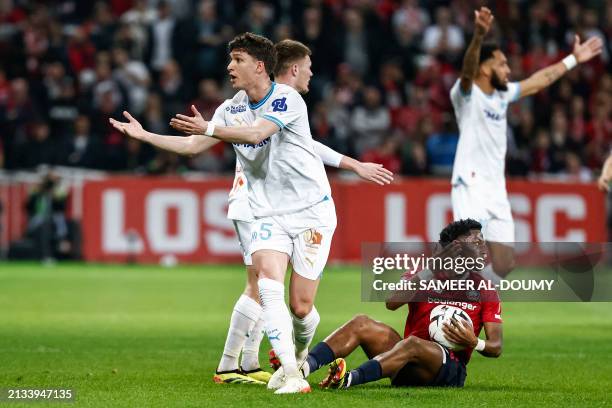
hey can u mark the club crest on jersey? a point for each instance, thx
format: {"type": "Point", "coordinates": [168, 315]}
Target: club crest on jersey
{"type": "Point", "coordinates": [279, 105]}
{"type": "Point", "coordinates": [236, 109]}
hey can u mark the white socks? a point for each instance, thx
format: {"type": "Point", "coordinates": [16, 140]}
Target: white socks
{"type": "Point", "coordinates": [304, 331]}
{"type": "Point", "coordinates": [244, 317]}
{"type": "Point", "coordinates": [278, 323]}
{"type": "Point", "coordinates": [250, 351]}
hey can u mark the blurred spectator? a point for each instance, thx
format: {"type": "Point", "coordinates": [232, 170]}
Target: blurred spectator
{"type": "Point", "coordinates": [443, 39]}
{"type": "Point", "coordinates": [48, 233]}
{"type": "Point", "coordinates": [139, 18]}
{"type": "Point", "coordinates": [82, 149]}
{"type": "Point", "coordinates": [441, 147]}
{"type": "Point", "coordinates": [211, 41]}
{"type": "Point", "coordinates": [354, 45]}
{"type": "Point", "coordinates": [370, 121]}
{"type": "Point", "coordinates": [160, 37]}
{"type": "Point", "coordinates": [386, 154]}
{"type": "Point", "coordinates": [172, 89]}
{"type": "Point", "coordinates": [133, 76]}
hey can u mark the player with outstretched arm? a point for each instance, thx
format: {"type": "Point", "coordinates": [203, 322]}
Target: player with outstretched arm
{"type": "Point", "coordinates": [480, 98]}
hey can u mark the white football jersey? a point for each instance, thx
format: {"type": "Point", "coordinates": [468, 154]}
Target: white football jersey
{"type": "Point", "coordinates": [283, 173]}
{"type": "Point", "coordinates": [238, 200]}
{"type": "Point", "coordinates": [481, 152]}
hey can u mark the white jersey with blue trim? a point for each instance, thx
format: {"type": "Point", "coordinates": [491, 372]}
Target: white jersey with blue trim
{"type": "Point", "coordinates": [481, 152]}
{"type": "Point", "coordinates": [283, 172]}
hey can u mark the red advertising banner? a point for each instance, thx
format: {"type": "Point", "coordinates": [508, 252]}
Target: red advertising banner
{"type": "Point", "coordinates": [145, 219]}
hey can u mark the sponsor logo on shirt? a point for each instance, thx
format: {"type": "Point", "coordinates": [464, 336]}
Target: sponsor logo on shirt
{"type": "Point", "coordinates": [236, 109]}
{"type": "Point", "coordinates": [254, 146]}
{"type": "Point", "coordinates": [494, 115]}
{"type": "Point", "coordinates": [461, 305]}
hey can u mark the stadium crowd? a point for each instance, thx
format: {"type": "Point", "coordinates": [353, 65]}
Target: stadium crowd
{"type": "Point", "coordinates": [382, 74]}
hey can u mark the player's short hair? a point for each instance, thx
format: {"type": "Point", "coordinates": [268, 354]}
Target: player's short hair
{"type": "Point", "coordinates": [288, 53]}
{"type": "Point", "coordinates": [487, 50]}
{"type": "Point", "coordinates": [256, 46]}
{"type": "Point", "coordinates": [456, 229]}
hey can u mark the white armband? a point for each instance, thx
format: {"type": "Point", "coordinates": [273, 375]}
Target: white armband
{"type": "Point", "coordinates": [210, 129]}
{"type": "Point", "coordinates": [480, 345]}
{"type": "Point", "coordinates": [569, 61]}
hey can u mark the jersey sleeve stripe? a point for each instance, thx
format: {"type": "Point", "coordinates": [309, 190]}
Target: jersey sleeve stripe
{"type": "Point", "coordinates": [273, 119]}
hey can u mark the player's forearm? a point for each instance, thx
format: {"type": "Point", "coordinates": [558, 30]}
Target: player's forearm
{"type": "Point", "coordinates": [469, 70]}
{"type": "Point", "coordinates": [241, 134]}
{"type": "Point", "coordinates": [348, 163]}
{"type": "Point", "coordinates": [606, 172]}
{"type": "Point", "coordinates": [491, 349]}
{"type": "Point", "coordinates": [546, 76]}
{"type": "Point", "coordinates": [177, 144]}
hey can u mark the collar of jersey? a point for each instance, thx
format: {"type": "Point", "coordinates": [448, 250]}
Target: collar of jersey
{"type": "Point", "coordinates": [265, 98]}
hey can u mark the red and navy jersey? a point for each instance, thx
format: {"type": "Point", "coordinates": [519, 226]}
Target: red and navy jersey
{"type": "Point", "coordinates": [481, 305]}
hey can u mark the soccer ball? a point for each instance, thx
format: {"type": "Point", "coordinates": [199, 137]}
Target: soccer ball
{"type": "Point", "coordinates": [442, 314]}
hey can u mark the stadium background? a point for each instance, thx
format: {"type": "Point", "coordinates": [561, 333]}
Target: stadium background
{"type": "Point", "coordinates": [72, 188]}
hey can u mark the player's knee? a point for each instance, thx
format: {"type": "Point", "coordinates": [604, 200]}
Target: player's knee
{"type": "Point", "coordinates": [361, 322]}
{"type": "Point", "coordinates": [410, 348]}
{"type": "Point", "coordinates": [300, 309]}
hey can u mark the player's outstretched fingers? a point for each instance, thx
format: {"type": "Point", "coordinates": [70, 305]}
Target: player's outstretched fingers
{"type": "Point", "coordinates": [195, 111]}
{"type": "Point", "coordinates": [128, 116]}
{"type": "Point", "coordinates": [184, 117]}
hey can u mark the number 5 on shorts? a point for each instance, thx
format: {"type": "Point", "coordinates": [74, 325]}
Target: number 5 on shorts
{"type": "Point", "coordinates": [265, 231]}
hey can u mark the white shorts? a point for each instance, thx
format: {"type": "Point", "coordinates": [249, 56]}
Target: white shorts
{"type": "Point", "coordinates": [243, 231]}
{"type": "Point", "coordinates": [305, 236]}
{"type": "Point", "coordinates": [489, 206]}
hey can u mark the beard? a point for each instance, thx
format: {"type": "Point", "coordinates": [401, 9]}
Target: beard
{"type": "Point", "coordinates": [497, 83]}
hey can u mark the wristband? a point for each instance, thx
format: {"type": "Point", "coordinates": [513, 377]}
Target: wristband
{"type": "Point", "coordinates": [480, 345]}
{"type": "Point", "coordinates": [569, 61]}
{"type": "Point", "coordinates": [210, 129]}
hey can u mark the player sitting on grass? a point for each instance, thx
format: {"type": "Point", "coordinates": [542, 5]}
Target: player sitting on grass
{"type": "Point", "coordinates": [416, 360]}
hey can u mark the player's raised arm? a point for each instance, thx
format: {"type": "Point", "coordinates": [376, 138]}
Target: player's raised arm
{"type": "Point", "coordinates": [606, 175]}
{"type": "Point", "coordinates": [581, 53]}
{"type": "Point", "coordinates": [373, 172]}
{"type": "Point", "coordinates": [189, 145]}
{"type": "Point", "coordinates": [482, 21]}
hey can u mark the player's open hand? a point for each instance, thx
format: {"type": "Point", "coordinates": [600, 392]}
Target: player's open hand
{"type": "Point", "coordinates": [483, 19]}
{"type": "Point", "coordinates": [588, 49]}
{"type": "Point", "coordinates": [132, 128]}
{"type": "Point", "coordinates": [603, 184]}
{"type": "Point", "coordinates": [375, 173]}
{"type": "Point", "coordinates": [192, 125]}
{"type": "Point", "coordinates": [460, 332]}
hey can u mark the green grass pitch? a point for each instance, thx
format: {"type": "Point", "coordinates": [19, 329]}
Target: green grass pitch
{"type": "Point", "coordinates": [139, 336]}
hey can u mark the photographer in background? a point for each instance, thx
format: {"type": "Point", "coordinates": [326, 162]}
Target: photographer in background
{"type": "Point", "coordinates": [47, 227]}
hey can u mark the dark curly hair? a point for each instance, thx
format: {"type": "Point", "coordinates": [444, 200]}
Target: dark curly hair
{"type": "Point", "coordinates": [256, 46]}
{"type": "Point", "coordinates": [456, 229]}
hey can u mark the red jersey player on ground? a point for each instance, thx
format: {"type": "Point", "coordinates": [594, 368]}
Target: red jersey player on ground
{"type": "Point", "coordinates": [416, 359]}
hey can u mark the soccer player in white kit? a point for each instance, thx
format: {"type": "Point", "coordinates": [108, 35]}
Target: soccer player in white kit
{"type": "Point", "coordinates": [242, 116]}
{"type": "Point", "coordinates": [288, 193]}
{"type": "Point", "coordinates": [244, 334]}
{"type": "Point", "coordinates": [480, 98]}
